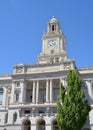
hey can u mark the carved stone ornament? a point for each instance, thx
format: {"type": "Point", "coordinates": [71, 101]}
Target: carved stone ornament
{"type": "Point", "coordinates": [67, 66]}
{"type": "Point", "coordinates": [19, 70]}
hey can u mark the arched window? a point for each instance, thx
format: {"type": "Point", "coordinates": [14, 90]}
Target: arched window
{"type": "Point", "coordinates": [1, 95]}
{"type": "Point", "coordinates": [55, 125]}
{"type": "Point", "coordinates": [53, 27]}
{"type": "Point", "coordinates": [41, 124]}
{"type": "Point", "coordinates": [14, 117]}
{"type": "Point", "coordinates": [26, 125]}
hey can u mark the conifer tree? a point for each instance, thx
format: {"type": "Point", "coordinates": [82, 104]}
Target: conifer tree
{"type": "Point", "coordinates": [72, 107]}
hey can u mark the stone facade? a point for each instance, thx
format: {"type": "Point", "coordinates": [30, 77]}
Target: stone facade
{"type": "Point", "coordinates": [28, 96]}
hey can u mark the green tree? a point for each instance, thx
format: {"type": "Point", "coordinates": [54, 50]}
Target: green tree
{"type": "Point", "coordinates": [72, 107]}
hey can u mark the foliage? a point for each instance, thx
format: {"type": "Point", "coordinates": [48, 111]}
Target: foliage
{"type": "Point", "coordinates": [72, 108]}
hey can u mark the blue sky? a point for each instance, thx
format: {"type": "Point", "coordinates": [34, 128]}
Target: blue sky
{"type": "Point", "coordinates": [22, 23]}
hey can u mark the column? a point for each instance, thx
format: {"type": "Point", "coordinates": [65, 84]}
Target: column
{"type": "Point", "coordinates": [90, 89]}
{"type": "Point", "coordinates": [51, 91]}
{"type": "Point", "coordinates": [34, 92]}
{"type": "Point", "coordinates": [48, 123]}
{"type": "Point", "coordinates": [33, 124]}
{"type": "Point", "coordinates": [47, 91]}
{"type": "Point", "coordinates": [5, 96]}
{"type": "Point", "coordinates": [37, 92]}
{"type": "Point", "coordinates": [23, 92]}
{"type": "Point", "coordinates": [13, 93]}
{"type": "Point", "coordinates": [62, 80]}
{"type": "Point", "coordinates": [49, 127]}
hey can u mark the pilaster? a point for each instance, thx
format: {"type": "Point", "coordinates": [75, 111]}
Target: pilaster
{"type": "Point", "coordinates": [5, 96]}
{"type": "Point", "coordinates": [23, 92]}
{"type": "Point", "coordinates": [37, 92]}
{"type": "Point", "coordinates": [34, 92]}
{"type": "Point", "coordinates": [47, 91]}
{"type": "Point", "coordinates": [51, 91]}
{"type": "Point", "coordinates": [13, 93]}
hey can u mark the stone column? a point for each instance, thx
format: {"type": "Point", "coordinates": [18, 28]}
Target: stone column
{"type": "Point", "coordinates": [51, 91]}
{"type": "Point", "coordinates": [37, 92]}
{"type": "Point", "coordinates": [33, 124]}
{"type": "Point", "coordinates": [49, 127]}
{"type": "Point", "coordinates": [13, 92]}
{"type": "Point", "coordinates": [34, 92]}
{"type": "Point", "coordinates": [5, 96]}
{"type": "Point", "coordinates": [48, 123]}
{"type": "Point", "coordinates": [47, 91]}
{"type": "Point", "coordinates": [90, 89]}
{"type": "Point", "coordinates": [62, 81]}
{"type": "Point", "coordinates": [23, 92]}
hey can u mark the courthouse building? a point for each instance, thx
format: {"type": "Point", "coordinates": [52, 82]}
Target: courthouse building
{"type": "Point", "coordinates": [28, 96]}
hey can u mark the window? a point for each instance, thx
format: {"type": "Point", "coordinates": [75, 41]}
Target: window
{"type": "Point", "coordinates": [27, 111]}
{"type": "Point", "coordinates": [18, 84]}
{"type": "Point", "coordinates": [17, 97]}
{"type": "Point", "coordinates": [1, 95]}
{"type": "Point", "coordinates": [31, 98]}
{"type": "Point", "coordinates": [54, 110]}
{"type": "Point", "coordinates": [44, 98]}
{"type": "Point", "coordinates": [58, 97]}
{"type": "Point", "coordinates": [41, 111]}
{"type": "Point", "coordinates": [14, 117]}
{"type": "Point", "coordinates": [53, 27]}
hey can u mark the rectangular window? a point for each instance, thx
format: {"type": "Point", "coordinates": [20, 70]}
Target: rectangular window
{"type": "Point", "coordinates": [1, 95]}
{"type": "Point", "coordinates": [54, 110]}
{"type": "Point", "coordinates": [58, 97]}
{"type": "Point", "coordinates": [44, 98]}
{"type": "Point", "coordinates": [27, 112]}
{"type": "Point", "coordinates": [18, 84]}
{"type": "Point", "coordinates": [1, 98]}
{"type": "Point", "coordinates": [17, 97]}
{"type": "Point", "coordinates": [31, 98]}
{"type": "Point", "coordinates": [41, 111]}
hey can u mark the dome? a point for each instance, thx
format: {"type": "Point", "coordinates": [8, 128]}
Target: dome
{"type": "Point", "coordinates": [53, 20]}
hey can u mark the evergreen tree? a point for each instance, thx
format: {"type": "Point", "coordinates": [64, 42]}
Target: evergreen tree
{"type": "Point", "coordinates": [72, 108]}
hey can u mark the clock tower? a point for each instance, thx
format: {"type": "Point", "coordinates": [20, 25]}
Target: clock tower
{"type": "Point", "coordinates": [53, 44]}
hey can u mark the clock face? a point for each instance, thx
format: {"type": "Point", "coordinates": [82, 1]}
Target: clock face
{"type": "Point", "coordinates": [52, 43]}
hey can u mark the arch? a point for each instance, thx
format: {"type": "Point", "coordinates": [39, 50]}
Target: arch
{"type": "Point", "coordinates": [41, 124]}
{"type": "Point", "coordinates": [55, 124]}
{"type": "Point", "coordinates": [26, 125]}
